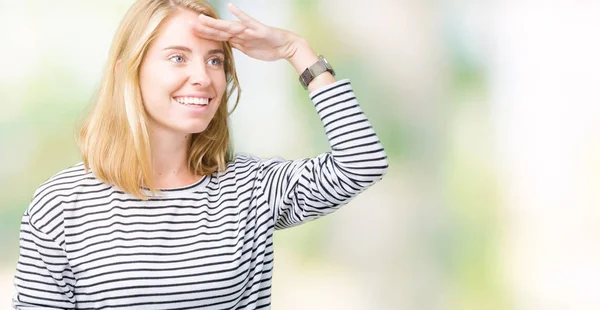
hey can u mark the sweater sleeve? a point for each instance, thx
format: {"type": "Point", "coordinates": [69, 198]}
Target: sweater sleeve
{"type": "Point", "coordinates": [301, 190]}
{"type": "Point", "coordinates": [43, 279]}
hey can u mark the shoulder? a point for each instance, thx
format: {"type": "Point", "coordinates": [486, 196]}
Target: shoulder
{"type": "Point", "coordinates": [244, 166]}
{"type": "Point", "coordinates": [63, 186]}
{"type": "Point", "coordinates": [243, 161]}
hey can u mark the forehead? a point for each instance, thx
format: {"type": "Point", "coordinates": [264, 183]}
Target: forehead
{"type": "Point", "coordinates": [176, 30]}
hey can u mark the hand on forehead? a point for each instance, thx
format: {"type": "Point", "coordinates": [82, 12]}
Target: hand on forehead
{"type": "Point", "coordinates": [176, 31]}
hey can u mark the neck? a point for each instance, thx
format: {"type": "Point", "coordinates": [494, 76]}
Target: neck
{"type": "Point", "coordinates": [169, 160]}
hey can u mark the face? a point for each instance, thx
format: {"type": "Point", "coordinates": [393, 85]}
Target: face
{"type": "Point", "coordinates": [182, 78]}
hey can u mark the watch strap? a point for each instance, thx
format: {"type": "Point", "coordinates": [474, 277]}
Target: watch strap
{"type": "Point", "coordinates": [315, 70]}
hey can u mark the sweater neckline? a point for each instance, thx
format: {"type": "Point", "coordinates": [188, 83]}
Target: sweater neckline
{"type": "Point", "coordinates": [190, 188]}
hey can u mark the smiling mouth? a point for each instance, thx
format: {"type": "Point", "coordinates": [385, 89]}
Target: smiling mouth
{"type": "Point", "coordinates": [193, 101]}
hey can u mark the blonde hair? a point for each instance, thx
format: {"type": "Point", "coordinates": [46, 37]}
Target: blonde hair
{"type": "Point", "coordinates": [114, 138]}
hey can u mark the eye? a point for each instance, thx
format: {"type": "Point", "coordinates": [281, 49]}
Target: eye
{"type": "Point", "coordinates": [217, 62]}
{"type": "Point", "coordinates": [177, 58]}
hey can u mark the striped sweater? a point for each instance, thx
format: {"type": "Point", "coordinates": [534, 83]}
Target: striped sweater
{"type": "Point", "coordinates": [85, 244]}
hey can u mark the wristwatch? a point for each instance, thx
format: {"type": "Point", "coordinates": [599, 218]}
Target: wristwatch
{"type": "Point", "coordinates": [315, 70]}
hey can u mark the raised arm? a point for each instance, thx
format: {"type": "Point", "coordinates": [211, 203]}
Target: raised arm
{"type": "Point", "coordinates": [306, 189]}
{"type": "Point", "coordinates": [301, 190]}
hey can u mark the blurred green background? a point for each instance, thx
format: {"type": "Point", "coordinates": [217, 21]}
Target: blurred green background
{"type": "Point", "coordinates": [490, 201]}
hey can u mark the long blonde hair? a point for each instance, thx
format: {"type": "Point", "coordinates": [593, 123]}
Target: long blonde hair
{"type": "Point", "coordinates": [114, 138]}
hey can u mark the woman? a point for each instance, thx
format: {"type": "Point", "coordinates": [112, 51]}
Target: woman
{"type": "Point", "coordinates": [160, 214]}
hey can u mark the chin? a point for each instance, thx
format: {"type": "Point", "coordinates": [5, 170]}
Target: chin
{"type": "Point", "coordinates": [191, 126]}
{"type": "Point", "coordinates": [196, 129]}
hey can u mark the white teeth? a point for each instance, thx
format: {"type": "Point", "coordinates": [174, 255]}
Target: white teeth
{"type": "Point", "coordinates": [192, 100]}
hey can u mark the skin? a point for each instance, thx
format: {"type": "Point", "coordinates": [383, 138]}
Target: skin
{"type": "Point", "coordinates": [179, 63]}
{"type": "Point", "coordinates": [161, 79]}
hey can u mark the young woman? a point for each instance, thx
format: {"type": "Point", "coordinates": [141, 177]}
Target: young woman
{"type": "Point", "coordinates": [161, 214]}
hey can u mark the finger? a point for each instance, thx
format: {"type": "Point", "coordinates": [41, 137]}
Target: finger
{"type": "Point", "coordinates": [236, 45]}
{"type": "Point", "coordinates": [229, 26]}
{"type": "Point", "coordinates": [237, 41]}
{"type": "Point", "coordinates": [209, 33]}
{"type": "Point", "coordinates": [246, 35]}
{"type": "Point", "coordinates": [243, 17]}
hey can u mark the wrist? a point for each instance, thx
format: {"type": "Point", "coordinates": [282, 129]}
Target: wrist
{"type": "Point", "coordinates": [303, 55]}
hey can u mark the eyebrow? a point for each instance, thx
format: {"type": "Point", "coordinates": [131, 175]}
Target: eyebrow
{"type": "Point", "coordinates": [187, 49]}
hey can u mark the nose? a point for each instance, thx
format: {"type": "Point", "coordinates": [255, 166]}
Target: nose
{"type": "Point", "coordinates": [199, 75]}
